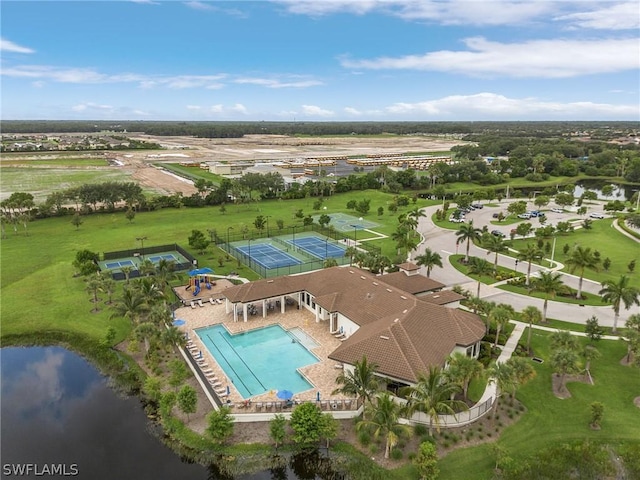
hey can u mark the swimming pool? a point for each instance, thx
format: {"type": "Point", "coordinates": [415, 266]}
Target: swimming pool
{"type": "Point", "coordinates": [259, 360]}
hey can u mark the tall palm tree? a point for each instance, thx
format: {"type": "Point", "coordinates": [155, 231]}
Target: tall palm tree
{"type": "Point", "coordinates": [476, 304]}
{"type": "Point", "coordinates": [462, 369]}
{"type": "Point", "coordinates": [108, 287]}
{"type": "Point", "coordinates": [145, 331]}
{"type": "Point", "coordinates": [149, 289]}
{"type": "Point", "coordinates": [429, 259]}
{"type": "Point", "coordinates": [131, 306]}
{"type": "Point", "coordinates": [582, 258]}
{"type": "Point", "coordinates": [94, 285]}
{"type": "Point", "coordinates": [564, 361]}
{"type": "Point", "coordinates": [480, 268]}
{"type": "Point", "coordinates": [531, 315]}
{"type": "Point", "coordinates": [523, 371]}
{"type": "Point", "coordinates": [618, 293]}
{"type": "Point", "coordinates": [501, 316]}
{"type": "Point", "coordinates": [172, 336]}
{"type": "Point", "coordinates": [589, 353]}
{"type": "Point", "coordinates": [530, 254]}
{"type": "Point", "coordinates": [468, 233]}
{"type": "Point", "coordinates": [351, 252]}
{"type": "Point", "coordinates": [432, 395]}
{"type": "Point", "coordinates": [503, 375]}
{"type": "Point", "coordinates": [147, 267]}
{"type": "Point", "coordinates": [127, 272]}
{"type": "Point", "coordinates": [165, 273]}
{"type": "Point", "coordinates": [550, 284]}
{"type": "Point", "coordinates": [563, 340]}
{"type": "Point", "coordinates": [361, 382]}
{"type": "Point", "coordinates": [416, 212]}
{"type": "Point", "coordinates": [385, 421]}
{"type": "Point", "coordinates": [494, 244]}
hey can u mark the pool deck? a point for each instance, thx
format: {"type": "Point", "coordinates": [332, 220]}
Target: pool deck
{"type": "Point", "coordinates": [322, 374]}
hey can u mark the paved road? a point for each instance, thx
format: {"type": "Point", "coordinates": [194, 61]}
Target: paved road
{"type": "Point", "coordinates": [443, 241]}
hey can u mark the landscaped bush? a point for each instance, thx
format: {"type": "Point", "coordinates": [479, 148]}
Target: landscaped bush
{"type": "Point", "coordinates": [419, 430]}
{"type": "Point", "coordinates": [396, 454]}
{"type": "Point", "coordinates": [364, 438]}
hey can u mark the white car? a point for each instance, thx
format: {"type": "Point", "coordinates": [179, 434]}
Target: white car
{"type": "Point", "coordinates": [525, 215]}
{"type": "Point", "coordinates": [557, 210]}
{"type": "Point", "coordinates": [596, 215]}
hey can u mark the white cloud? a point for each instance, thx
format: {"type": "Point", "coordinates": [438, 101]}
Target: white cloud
{"type": "Point", "coordinates": [239, 108]}
{"type": "Point", "coordinates": [352, 111]}
{"type": "Point", "coordinates": [90, 106]}
{"type": "Point", "coordinates": [315, 111]}
{"type": "Point", "coordinates": [535, 58]}
{"type": "Point", "coordinates": [488, 105]}
{"type": "Point", "coordinates": [274, 83]}
{"type": "Point", "coordinates": [200, 6]}
{"type": "Point", "coordinates": [9, 46]}
{"type": "Point", "coordinates": [616, 16]}
{"type": "Point", "coordinates": [38, 84]}
{"type": "Point", "coordinates": [479, 12]}
{"type": "Point", "coordinates": [194, 107]}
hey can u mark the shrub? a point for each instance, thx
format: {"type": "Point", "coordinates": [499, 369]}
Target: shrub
{"type": "Point", "coordinates": [396, 454]}
{"type": "Point", "coordinates": [420, 430]}
{"type": "Point", "coordinates": [364, 438]}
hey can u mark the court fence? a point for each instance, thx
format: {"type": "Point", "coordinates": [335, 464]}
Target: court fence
{"type": "Point", "coordinates": [135, 252]}
{"type": "Point", "coordinates": [225, 241]}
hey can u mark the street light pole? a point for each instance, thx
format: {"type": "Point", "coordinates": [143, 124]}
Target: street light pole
{"type": "Point", "coordinates": [294, 234]}
{"type": "Point", "coordinates": [228, 246]}
{"type": "Point", "coordinates": [553, 249]}
{"type": "Point", "coordinates": [141, 240]}
{"type": "Point", "coordinates": [268, 217]}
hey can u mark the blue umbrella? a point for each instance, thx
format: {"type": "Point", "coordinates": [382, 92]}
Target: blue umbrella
{"type": "Point", "coordinates": [284, 394]}
{"type": "Point", "coordinates": [318, 397]}
{"type": "Point", "coordinates": [199, 271]}
{"type": "Point", "coordinates": [179, 322]}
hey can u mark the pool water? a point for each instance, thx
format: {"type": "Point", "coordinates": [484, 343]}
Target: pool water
{"type": "Point", "coordinates": [260, 360]}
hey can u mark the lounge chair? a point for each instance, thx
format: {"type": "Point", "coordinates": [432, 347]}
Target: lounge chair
{"type": "Point", "coordinates": [212, 301]}
{"type": "Point", "coordinates": [220, 301]}
{"type": "Point", "coordinates": [220, 392]}
{"type": "Point", "coordinates": [215, 383]}
{"type": "Point", "coordinates": [200, 303]}
{"type": "Point", "coordinates": [259, 406]}
{"type": "Point", "coordinates": [207, 371]}
{"type": "Point", "coordinates": [347, 404]}
{"type": "Point", "coordinates": [193, 304]}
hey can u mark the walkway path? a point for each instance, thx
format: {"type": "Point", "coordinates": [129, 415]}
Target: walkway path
{"type": "Point", "coordinates": [615, 225]}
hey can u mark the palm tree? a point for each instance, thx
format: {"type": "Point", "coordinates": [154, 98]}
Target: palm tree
{"type": "Point", "coordinates": [145, 331]}
{"type": "Point", "coordinates": [160, 315]}
{"type": "Point", "coordinates": [632, 334]}
{"type": "Point", "coordinates": [480, 268]}
{"type": "Point", "coordinates": [165, 273]}
{"type": "Point", "coordinates": [467, 233]}
{"type": "Point", "coordinates": [589, 353]}
{"type": "Point", "coordinates": [94, 285]}
{"type": "Point", "coordinates": [462, 369]}
{"type": "Point", "coordinates": [580, 259]}
{"type": "Point", "coordinates": [529, 254]}
{"type": "Point", "coordinates": [130, 306]}
{"type": "Point", "coordinates": [531, 315]}
{"type": "Point", "coordinates": [108, 287]}
{"type": "Point", "coordinates": [563, 340]}
{"type": "Point", "coordinates": [416, 213]}
{"type": "Point", "coordinates": [149, 289]}
{"type": "Point", "coordinates": [617, 294]}
{"type": "Point", "coordinates": [360, 382]}
{"type": "Point", "coordinates": [173, 336]}
{"type": "Point", "coordinates": [564, 361]}
{"type": "Point", "coordinates": [351, 252]}
{"type": "Point", "coordinates": [523, 371]}
{"type": "Point", "coordinates": [401, 237]}
{"type": "Point", "coordinates": [432, 395]}
{"type": "Point", "coordinates": [494, 244]}
{"type": "Point", "coordinates": [429, 259]}
{"type": "Point", "coordinates": [503, 375]}
{"type": "Point", "coordinates": [147, 268]}
{"type": "Point", "coordinates": [550, 284]}
{"type": "Point", "coordinates": [385, 416]}
{"type": "Point", "coordinates": [476, 304]}
{"type": "Point", "coordinates": [501, 316]}
{"type": "Point", "coordinates": [127, 272]}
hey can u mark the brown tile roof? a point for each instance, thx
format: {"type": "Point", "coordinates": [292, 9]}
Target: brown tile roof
{"type": "Point", "coordinates": [442, 297]}
{"type": "Point", "coordinates": [404, 346]}
{"type": "Point", "coordinates": [401, 333]}
{"type": "Point", "coordinates": [409, 266]}
{"type": "Point", "coordinates": [412, 283]}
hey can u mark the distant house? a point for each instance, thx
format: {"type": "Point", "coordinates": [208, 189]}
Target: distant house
{"type": "Point", "coordinates": [402, 333]}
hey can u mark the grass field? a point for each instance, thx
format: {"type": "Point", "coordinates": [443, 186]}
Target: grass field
{"type": "Point", "coordinates": [40, 182]}
{"type": "Point", "coordinates": [39, 291]}
{"type": "Point", "coordinates": [192, 173]}
{"type": "Point", "coordinates": [551, 421]}
{"type": "Point", "coordinates": [55, 162]}
{"type": "Point", "coordinates": [608, 241]}
{"type": "Point", "coordinates": [588, 299]}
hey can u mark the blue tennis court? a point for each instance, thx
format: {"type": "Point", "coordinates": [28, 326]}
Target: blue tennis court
{"type": "Point", "coordinates": [123, 263]}
{"type": "Point", "coordinates": [318, 248]}
{"type": "Point", "coordinates": [268, 256]}
{"type": "Point", "coordinates": [166, 256]}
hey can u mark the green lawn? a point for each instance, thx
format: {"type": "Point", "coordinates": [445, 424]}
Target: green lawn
{"type": "Point", "coordinates": [56, 162]}
{"type": "Point", "coordinates": [39, 291]}
{"type": "Point", "coordinates": [588, 299]}
{"type": "Point", "coordinates": [605, 239]}
{"type": "Point", "coordinates": [551, 421]}
{"type": "Point", "coordinates": [194, 173]}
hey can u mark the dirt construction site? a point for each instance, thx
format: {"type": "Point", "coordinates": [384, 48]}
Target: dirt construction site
{"type": "Point", "coordinates": [142, 166]}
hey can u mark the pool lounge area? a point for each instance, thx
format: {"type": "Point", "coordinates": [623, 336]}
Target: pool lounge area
{"type": "Point", "coordinates": [300, 324]}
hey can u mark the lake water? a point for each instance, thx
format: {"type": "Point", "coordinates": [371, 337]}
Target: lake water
{"type": "Point", "coordinates": [58, 412]}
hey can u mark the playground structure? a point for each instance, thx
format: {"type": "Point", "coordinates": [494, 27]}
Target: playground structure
{"type": "Point", "coordinates": [198, 279]}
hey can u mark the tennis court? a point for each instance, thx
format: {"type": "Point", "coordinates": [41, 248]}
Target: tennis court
{"type": "Point", "coordinates": [268, 256]}
{"type": "Point", "coordinates": [167, 256]}
{"type": "Point", "coordinates": [120, 264]}
{"type": "Point", "coordinates": [318, 247]}
{"type": "Point", "coordinates": [348, 223]}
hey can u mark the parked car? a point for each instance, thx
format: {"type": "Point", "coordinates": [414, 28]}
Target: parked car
{"type": "Point", "coordinates": [477, 206]}
{"type": "Point", "coordinates": [496, 215]}
{"type": "Point", "coordinates": [557, 210]}
{"type": "Point", "coordinates": [536, 213]}
{"type": "Point", "coordinates": [497, 233]}
{"type": "Point", "coordinates": [456, 219]}
{"type": "Point", "coordinates": [596, 215]}
{"type": "Point", "coordinates": [525, 215]}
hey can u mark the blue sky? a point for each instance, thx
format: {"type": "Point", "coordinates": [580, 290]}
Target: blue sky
{"type": "Point", "coordinates": [316, 60]}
